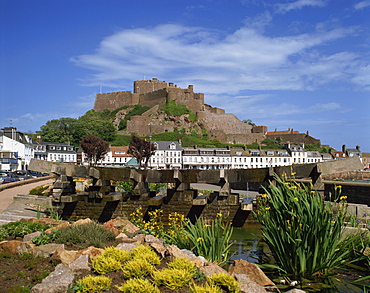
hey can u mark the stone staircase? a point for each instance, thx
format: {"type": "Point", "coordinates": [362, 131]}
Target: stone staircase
{"type": "Point", "coordinates": [25, 207]}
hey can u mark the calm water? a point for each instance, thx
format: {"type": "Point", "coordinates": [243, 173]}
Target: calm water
{"type": "Point", "coordinates": [246, 244]}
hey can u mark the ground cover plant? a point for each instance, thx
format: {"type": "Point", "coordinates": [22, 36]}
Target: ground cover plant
{"type": "Point", "coordinates": [304, 233]}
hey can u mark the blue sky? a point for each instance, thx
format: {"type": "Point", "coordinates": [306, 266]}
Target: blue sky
{"type": "Point", "coordinates": [301, 64]}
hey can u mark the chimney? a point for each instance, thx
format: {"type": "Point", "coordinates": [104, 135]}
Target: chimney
{"type": "Point", "coordinates": [344, 148]}
{"type": "Point", "coordinates": [38, 139]}
{"type": "Point", "coordinates": [358, 148]}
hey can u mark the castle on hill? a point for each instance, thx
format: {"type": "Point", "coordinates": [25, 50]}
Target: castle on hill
{"type": "Point", "coordinates": [154, 94]}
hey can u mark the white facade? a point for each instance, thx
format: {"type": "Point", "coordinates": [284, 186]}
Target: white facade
{"type": "Point", "coordinates": [55, 152]}
{"type": "Point", "coordinates": [256, 158]}
{"type": "Point", "coordinates": [17, 152]}
{"type": "Point", "coordinates": [206, 158]}
{"type": "Point", "coordinates": [298, 153]}
{"type": "Point", "coordinates": [168, 155]}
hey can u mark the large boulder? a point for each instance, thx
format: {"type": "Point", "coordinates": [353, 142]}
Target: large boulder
{"type": "Point", "coordinates": [253, 272]}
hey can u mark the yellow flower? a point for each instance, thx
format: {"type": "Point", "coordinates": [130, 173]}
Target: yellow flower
{"type": "Point", "coordinates": [296, 198]}
{"type": "Point", "coordinates": [205, 226]}
{"type": "Point", "coordinates": [313, 191]}
{"type": "Point", "coordinates": [333, 222]}
{"type": "Point", "coordinates": [264, 195]}
{"type": "Point", "coordinates": [338, 187]}
{"type": "Point", "coordinates": [293, 173]}
{"type": "Point", "coordinates": [343, 197]}
{"type": "Point", "coordinates": [292, 187]}
{"type": "Point", "coordinates": [267, 208]}
{"type": "Point", "coordinates": [200, 239]}
{"type": "Point", "coordinates": [219, 215]}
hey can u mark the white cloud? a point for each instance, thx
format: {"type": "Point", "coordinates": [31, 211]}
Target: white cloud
{"type": "Point", "coordinates": [245, 59]}
{"type": "Point", "coordinates": [362, 5]}
{"type": "Point", "coordinates": [286, 7]}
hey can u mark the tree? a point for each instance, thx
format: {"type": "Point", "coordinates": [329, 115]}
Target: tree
{"type": "Point", "coordinates": [95, 148]}
{"type": "Point", "coordinates": [59, 130]}
{"type": "Point", "coordinates": [92, 124]}
{"type": "Point", "coordinates": [141, 149]}
{"type": "Point", "coordinates": [249, 121]}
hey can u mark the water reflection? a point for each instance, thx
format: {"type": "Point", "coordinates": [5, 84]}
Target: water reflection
{"type": "Point", "coordinates": [246, 244]}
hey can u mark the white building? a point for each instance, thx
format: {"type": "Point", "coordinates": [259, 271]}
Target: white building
{"type": "Point", "coordinates": [297, 152]}
{"type": "Point", "coordinates": [16, 149]}
{"type": "Point", "coordinates": [55, 152]}
{"type": "Point", "coordinates": [168, 155]}
{"type": "Point", "coordinates": [259, 158]}
{"type": "Point", "coordinates": [206, 158]}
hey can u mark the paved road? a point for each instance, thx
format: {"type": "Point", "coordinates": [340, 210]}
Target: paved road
{"type": "Point", "coordinates": [6, 196]}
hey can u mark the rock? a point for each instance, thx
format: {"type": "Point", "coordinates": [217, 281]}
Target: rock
{"type": "Point", "coordinates": [81, 264]}
{"type": "Point", "coordinates": [26, 247]}
{"type": "Point", "coordinates": [211, 268]}
{"type": "Point", "coordinates": [295, 291]}
{"type": "Point", "coordinates": [121, 236]}
{"type": "Point", "coordinates": [248, 286]}
{"type": "Point", "coordinates": [82, 222]}
{"type": "Point", "coordinates": [152, 239]}
{"type": "Point", "coordinates": [10, 246]}
{"type": "Point", "coordinates": [125, 226]}
{"type": "Point", "coordinates": [110, 226]}
{"type": "Point", "coordinates": [30, 236]}
{"type": "Point", "coordinates": [91, 251]}
{"type": "Point", "coordinates": [127, 246]}
{"type": "Point", "coordinates": [46, 250]}
{"type": "Point", "coordinates": [52, 229]}
{"type": "Point", "coordinates": [139, 239]}
{"type": "Point", "coordinates": [57, 282]}
{"type": "Point", "coordinates": [159, 248]}
{"type": "Point", "coordinates": [252, 271]}
{"type": "Point", "coordinates": [64, 256]}
{"type": "Point", "coordinates": [174, 251]}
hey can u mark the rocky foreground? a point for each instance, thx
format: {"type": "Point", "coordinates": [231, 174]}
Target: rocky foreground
{"type": "Point", "coordinates": [72, 263]}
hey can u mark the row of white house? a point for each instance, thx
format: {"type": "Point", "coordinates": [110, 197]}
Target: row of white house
{"type": "Point", "coordinates": [173, 155]}
{"type": "Point", "coordinates": [17, 149]}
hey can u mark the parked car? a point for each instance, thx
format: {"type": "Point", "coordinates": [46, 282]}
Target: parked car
{"type": "Point", "coordinates": [8, 176]}
{"type": "Point", "coordinates": [23, 174]}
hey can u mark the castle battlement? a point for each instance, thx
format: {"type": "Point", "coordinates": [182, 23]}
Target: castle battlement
{"type": "Point", "coordinates": [155, 93]}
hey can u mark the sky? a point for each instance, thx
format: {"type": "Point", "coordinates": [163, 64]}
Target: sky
{"type": "Point", "coordinates": [301, 64]}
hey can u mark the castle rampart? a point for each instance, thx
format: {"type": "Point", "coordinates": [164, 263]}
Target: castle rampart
{"type": "Point", "coordinates": [226, 127]}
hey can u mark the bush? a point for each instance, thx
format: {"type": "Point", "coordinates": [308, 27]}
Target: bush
{"type": "Point", "coordinates": [172, 278]}
{"type": "Point", "coordinates": [93, 284]}
{"type": "Point", "coordinates": [173, 109]}
{"type": "Point", "coordinates": [20, 229]}
{"type": "Point", "coordinates": [224, 281]}
{"type": "Point", "coordinates": [137, 268]}
{"type": "Point", "coordinates": [117, 254]}
{"type": "Point", "coordinates": [137, 285]}
{"type": "Point", "coordinates": [304, 234]}
{"type": "Point", "coordinates": [104, 264]}
{"type": "Point", "coordinates": [86, 235]}
{"type": "Point", "coordinates": [182, 264]}
{"type": "Point", "coordinates": [39, 190]}
{"type": "Point", "coordinates": [207, 288]}
{"type": "Point", "coordinates": [200, 238]}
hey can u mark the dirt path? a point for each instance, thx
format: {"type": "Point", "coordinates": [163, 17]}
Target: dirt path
{"type": "Point", "coordinates": [6, 195]}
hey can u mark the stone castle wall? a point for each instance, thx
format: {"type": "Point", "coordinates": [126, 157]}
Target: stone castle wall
{"type": "Point", "coordinates": [226, 127]}
{"type": "Point", "coordinates": [112, 101]}
{"type": "Point", "coordinates": [295, 138]}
